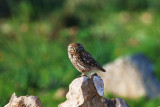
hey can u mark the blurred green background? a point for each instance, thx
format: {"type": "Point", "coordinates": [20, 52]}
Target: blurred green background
{"type": "Point", "coordinates": [34, 35]}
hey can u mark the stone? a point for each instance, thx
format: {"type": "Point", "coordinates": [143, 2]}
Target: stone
{"type": "Point", "coordinates": [88, 92]}
{"type": "Point", "coordinates": [120, 103]}
{"type": "Point", "coordinates": [24, 101]}
{"type": "Point", "coordinates": [98, 85]}
{"type": "Point", "coordinates": [131, 76]}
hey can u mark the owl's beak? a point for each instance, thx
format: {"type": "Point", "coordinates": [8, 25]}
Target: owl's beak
{"type": "Point", "coordinates": [71, 51]}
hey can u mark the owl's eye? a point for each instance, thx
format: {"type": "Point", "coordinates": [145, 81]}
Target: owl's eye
{"type": "Point", "coordinates": [72, 49]}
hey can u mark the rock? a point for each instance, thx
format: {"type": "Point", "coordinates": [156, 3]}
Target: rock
{"type": "Point", "coordinates": [88, 92]}
{"type": "Point", "coordinates": [132, 77]}
{"type": "Point", "coordinates": [121, 102]}
{"type": "Point", "coordinates": [24, 101]}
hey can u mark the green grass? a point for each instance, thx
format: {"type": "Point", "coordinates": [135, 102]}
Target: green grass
{"type": "Point", "coordinates": [143, 102]}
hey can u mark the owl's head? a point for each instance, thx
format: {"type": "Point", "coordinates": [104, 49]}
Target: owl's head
{"type": "Point", "coordinates": [75, 47]}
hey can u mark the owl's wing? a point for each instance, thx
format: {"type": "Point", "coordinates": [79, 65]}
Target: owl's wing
{"type": "Point", "coordinates": [88, 59]}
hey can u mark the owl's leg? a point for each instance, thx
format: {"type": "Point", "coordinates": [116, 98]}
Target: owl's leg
{"type": "Point", "coordinates": [83, 74]}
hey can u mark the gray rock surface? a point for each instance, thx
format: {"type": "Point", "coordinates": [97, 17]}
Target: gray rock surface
{"type": "Point", "coordinates": [131, 76]}
{"type": "Point", "coordinates": [24, 101]}
{"type": "Point", "coordinates": [88, 92]}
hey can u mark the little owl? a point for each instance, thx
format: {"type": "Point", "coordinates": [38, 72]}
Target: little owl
{"type": "Point", "coordinates": [82, 60]}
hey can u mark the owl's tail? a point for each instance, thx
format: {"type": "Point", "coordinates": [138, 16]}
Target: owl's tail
{"type": "Point", "coordinates": [103, 70]}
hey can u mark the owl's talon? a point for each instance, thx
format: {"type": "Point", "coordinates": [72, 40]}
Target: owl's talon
{"type": "Point", "coordinates": [95, 74]}
{"type": "Point", "coordinates": [82, 75]}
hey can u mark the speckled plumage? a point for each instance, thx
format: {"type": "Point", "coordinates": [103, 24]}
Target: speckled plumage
{"type": "Point", "coordinates": [81, 59]}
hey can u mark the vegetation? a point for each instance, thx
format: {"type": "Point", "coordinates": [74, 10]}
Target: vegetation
{"type": "Point", "coordinates": [34, 36]}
